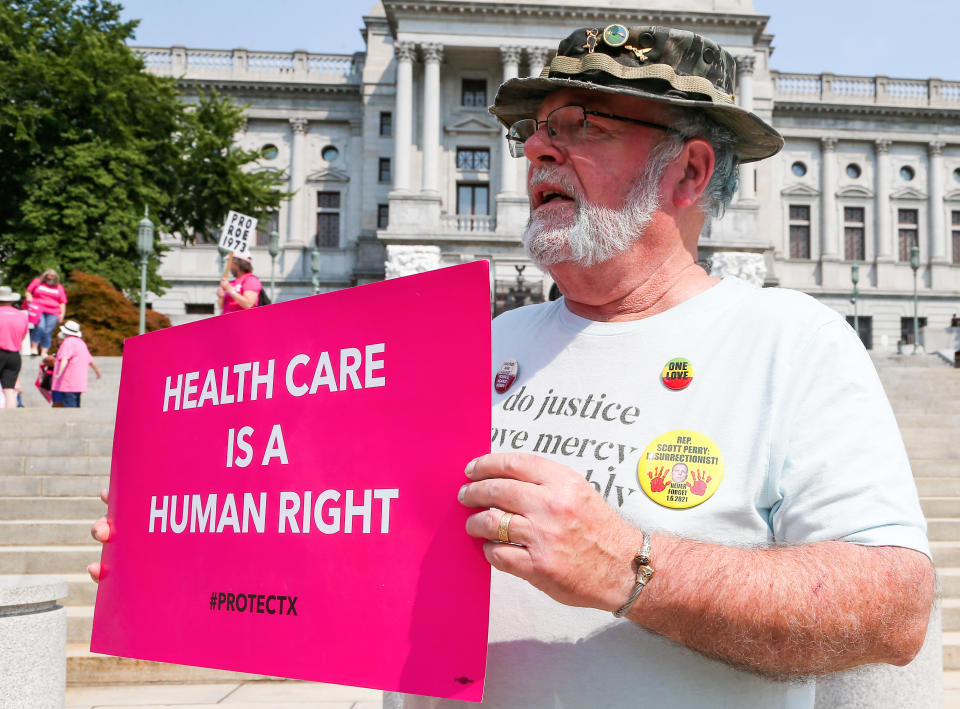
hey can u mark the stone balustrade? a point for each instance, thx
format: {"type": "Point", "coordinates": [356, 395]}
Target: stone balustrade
{"type": "Point", "coordinates": [483, 223]}
{"type": "Point", "coordinates": [872, 90]}
{"type": "Point", "coordinates": [243, 65]}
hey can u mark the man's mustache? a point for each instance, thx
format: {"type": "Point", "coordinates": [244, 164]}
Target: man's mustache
{"type": "Point", "coordinates": [554, 176]}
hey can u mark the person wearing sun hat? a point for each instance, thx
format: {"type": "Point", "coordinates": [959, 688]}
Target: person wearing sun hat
{"type": "Point", "coordinates": [13, 328]}
{"type": "Point", "coordinates": [70, 368]}
{"type": "Point", "coordinates": [243, 292]}
{"type": "Point", "coordinates": [660, 540]}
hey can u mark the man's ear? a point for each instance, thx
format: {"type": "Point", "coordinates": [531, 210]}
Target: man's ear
{"type": "Point", "coordinates": [697, 162]}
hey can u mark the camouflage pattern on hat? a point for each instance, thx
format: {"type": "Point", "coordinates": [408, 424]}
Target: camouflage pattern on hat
{"type": "Point", "coordinates": [655, 63]}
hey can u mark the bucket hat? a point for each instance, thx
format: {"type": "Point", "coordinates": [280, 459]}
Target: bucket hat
{"type": "Point", "coordinates": [661, 64]}
{"type": "Point", "coordinates": [70, 328]}
{"type": "Point", "coordinates": [7, 295]}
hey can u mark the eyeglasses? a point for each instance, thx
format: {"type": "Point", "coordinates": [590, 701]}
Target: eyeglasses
{"type": "Point", "coordinates": [566, 126]}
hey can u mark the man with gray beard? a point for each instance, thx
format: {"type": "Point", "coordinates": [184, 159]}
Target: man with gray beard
{"type": "Point", "coordinates": [697, 489]}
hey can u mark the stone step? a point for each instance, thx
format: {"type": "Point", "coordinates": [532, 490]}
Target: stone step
{"type": "Point", "coordinates": [909, 421]}
{"type": "Point", "coordinates": [946, 555]}
{"type": "Point", "coordinates": [44, 447]}
{"type": "Point", "coordinates": [940, 506]}
{"type": "Point", "coordinates": [943, 529]}
{"type": "Point", "coordinates": [79, 624]}
{"type": "Point", "coordinates": [951, 651]}
{"type": "Point", "coordinates": [59, 508]}
{"type": "Point", "coordinates": [51, 465]}
{"type": "Point", "coordinates": [938, 487]}
{"type": "Point", "coordinates": [81, 590]}
{"type": "Point", "coordinates": [74, 485]}
{"type": "Point", "coordinates": [949, 582]}
{"type": "Point", "coordinates": [48, 559]}
{"type": "Point", "coordinates": [41, 532]}
{"type": "Point", "coordinates": [951, 614]}
{"type": "Point", "coordinates": [929, 467]}
{"type": "Point", "coordinates": [85, 667]}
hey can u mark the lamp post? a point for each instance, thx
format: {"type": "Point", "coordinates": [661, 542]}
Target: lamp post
{"type": "Point", "coordinates": [145, 247]}
{"type": "Point", "coordinates": [855, 277]}
{"type": "Point", "coordinates": [915, 264]}
{"type": "Point", "coordinates": [274, 249]}
{"type": "Point", "coordinates": [315, 267]}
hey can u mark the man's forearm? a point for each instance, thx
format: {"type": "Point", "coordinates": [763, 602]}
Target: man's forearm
{"type": "Point", "coordinates": [789, 611]}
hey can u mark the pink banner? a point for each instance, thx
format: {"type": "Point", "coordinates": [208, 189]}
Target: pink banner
{"type": "Point", "coordinates": [283, 494]}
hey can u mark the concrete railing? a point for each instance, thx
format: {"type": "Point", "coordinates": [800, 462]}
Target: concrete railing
{"type": "Point", "coordinates": [870, 90]}
{"type": "Point", "coordinates": [243, 65]}
{"type": "Point", "coordinates": [468, 222]}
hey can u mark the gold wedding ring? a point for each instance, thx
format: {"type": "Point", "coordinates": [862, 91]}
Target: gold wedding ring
{"type": "Point", "coordinates": [503, 531]}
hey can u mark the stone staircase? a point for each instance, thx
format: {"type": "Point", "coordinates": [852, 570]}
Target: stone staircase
{"type": "Point", "coordinates": [53, 463]}
{"type": "Point", "coordinates": [925, 394]}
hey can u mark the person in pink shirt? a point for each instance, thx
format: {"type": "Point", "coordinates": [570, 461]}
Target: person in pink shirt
{"type": "Point", "coordinates": [46, 292]}
{"type": "Point", "coordinates": [13, 328]}
{"type": "Point", "coordinates": [70, 370]}
{"type": "Point", "coordinates": [243, 291]}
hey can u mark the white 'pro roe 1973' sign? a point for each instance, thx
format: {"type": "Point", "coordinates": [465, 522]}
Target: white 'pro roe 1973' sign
{"type": "Point", "coordinates": [236, 232]}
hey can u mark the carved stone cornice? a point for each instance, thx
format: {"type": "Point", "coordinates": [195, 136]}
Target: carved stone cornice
{"type": "Point", "coordinates": [537, 55]}
{"type": "Point", "coordinates": [828, 144]}
{"type": "Point", "coordinates": [510, 55]}
{"type": "Point", "coordinates": [935, 147]}
{"type": "Point", "coordinates": [746, 64]}
{"type": "Point", "coordinates": [882, 145]}
{"type": "Point", "coordinates": [299, 125]}
{"type": "Point", "coordinates": [432, 52]}
{"type": "Point", "coordinates": [404, 51]}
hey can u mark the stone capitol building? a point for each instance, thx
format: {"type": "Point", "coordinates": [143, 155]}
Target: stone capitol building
{"type": "Point", "coordinates": [398, 168]}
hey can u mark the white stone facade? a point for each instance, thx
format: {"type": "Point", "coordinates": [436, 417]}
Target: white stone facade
{"type": "Point", "coordinates": [393, 147]}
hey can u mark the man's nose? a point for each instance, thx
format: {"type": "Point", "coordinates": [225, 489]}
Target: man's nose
{"type": "Point", "coordinates": [540, 150]}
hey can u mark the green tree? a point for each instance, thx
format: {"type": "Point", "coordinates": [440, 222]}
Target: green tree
{"type": "Point", "coordinates": [88, 138]}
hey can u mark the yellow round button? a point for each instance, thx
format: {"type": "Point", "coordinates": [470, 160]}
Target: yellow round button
{"type": "Point", "coordinates": [680, 469]}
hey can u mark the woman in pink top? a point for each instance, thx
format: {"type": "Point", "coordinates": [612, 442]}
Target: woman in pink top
{"type": "Point", "coordinates": [13, 328]}
{"type": "Point", "coordinates": [70, 370]}
{"type": "Point", "coordinates": [46, 292]}
{"type": "Point", "coordinates": [243, 291]}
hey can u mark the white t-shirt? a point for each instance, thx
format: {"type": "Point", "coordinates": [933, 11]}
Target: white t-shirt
{"type": "Point", "coordinates": [783, 434]}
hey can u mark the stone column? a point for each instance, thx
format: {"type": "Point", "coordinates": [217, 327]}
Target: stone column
{"type": "Point", "coordinates": [828, 200]}
{"type": "Point", "coordinates": [508, 167]}
{"type": "Point", "coordinates": [33, 641]}
{"type": "Point", "coordinates": [432, 56]}
{"type": "Point", "coordinates": [512, 206]}
{"type": "Point", "coordinates": [537, 58]}
{"type": "Point", "coordinates": [938, 232]}
{"type": "Point", "coordinates": [882, 206]}
{"type": "Point", "coordinates": [745, 65]}
{"type": "Point", "coordinates": [298, 176]}
{"type": "Point", "coordinates": [403, 117]}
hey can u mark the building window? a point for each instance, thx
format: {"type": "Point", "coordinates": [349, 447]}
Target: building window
{"type": "Point", "coordinates": [265, 226]}
{"type": "Point", "coordinates": [800, 231]}
{"type": "Point", "coordinates": [906, 329]}
{"type": "Point", "coordinates": [473, 92]}
{"type": "Point", "coordinates": [854, 247]}
{"type": "Point", "coordinates": [328, 220]}
{"type": "Point", "coordinates": [383, 216]}
{"type": "Point", "coordinates": [269, 151]}
{"type": "Point", "coordinates": [383, 172]}
{"type": "Point", "coordinates": [199, 308]}
{"type": "Point", "coordinates": [853, 171]}
{"type": "Point", "coordinates": [907, 228]}
{"type": "Point", "coordinates": [473, 198]}
{"type": "Point", "coordinates": [330, 153]}
{"type": "Point", "coordinates": [386, 124]}
{"type": "Point", "coordinates": [798, 169]}
{"type": "Point", "coordinates": [865, 323]}
{"type": "Point", "coordinates": [473, 158]}
{"type": "Point", "coordinates": [907, 173]}
{"type": "Point", "coordinates": [955, 233]}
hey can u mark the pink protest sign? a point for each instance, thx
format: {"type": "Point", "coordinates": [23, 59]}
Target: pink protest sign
{"type": "Point", "coordinates": [283, 493]}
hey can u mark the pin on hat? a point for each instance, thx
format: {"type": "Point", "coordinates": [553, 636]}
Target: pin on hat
{"type": "Point", "coordinates": [506, 375]}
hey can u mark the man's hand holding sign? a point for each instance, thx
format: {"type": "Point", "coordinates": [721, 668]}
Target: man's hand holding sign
{"type": "Point", "coordinates": [305, 488]}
